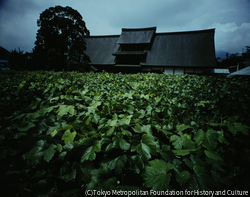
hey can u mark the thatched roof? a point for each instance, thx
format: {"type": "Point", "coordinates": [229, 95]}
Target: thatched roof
{"type": "Point", "coordinates": [185, 49]}
{"type": "Point", "coordinates": [101, 48]}
{"type": "Point", "coordinates": [178, 49]}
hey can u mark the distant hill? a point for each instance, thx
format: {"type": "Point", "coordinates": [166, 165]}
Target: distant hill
{"type": "Point", "coordinates": [4, 53]}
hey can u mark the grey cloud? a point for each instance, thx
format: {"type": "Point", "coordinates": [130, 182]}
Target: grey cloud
{"type": "Point", "coordinates": [18, 18]}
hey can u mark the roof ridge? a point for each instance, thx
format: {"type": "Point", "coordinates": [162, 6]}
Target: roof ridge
{"type": "Point", "coordinates": [139, 29]}
{"type": "Point", "coordinates": [101, 36]}
{"type": "Point", "coordinates": [186, 32]}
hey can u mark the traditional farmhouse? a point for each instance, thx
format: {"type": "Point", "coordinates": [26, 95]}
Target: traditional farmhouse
{"type": "Point", "coordinates": [144, 50]}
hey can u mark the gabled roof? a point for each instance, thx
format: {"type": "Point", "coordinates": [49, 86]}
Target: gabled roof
{"type": "Point", "coordinates": [136, 36]}
{"type": "Point", "coordinates": [177, 49]}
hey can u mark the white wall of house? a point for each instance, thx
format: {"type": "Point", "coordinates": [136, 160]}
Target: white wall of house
{"type": "Point", "coordinates": [178, 71]}
{"type": "Point", "coordinates": [168, 71]}
{"type": "Point", "coordinates": [175, 71]}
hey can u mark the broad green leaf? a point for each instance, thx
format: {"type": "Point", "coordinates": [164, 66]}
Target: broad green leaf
{"type": "Point", "coordinates": [239, 127]}
{"type": "Point", "coordinates": [49, 109]}
{"type": "Point", "coordinates": [149, 110]}
{"type": "Point", "coordinates": [126, 132]}
{"type": "Point", "coordinates": [96, 118]}
{"type": "Point", "coordinates": [22, 84]}
{"type": "Point", "coordinates": [59, 147]}
{"type": "Point", "coordinates": [145, 96]}
{"type": "Point", "coordinates": [210, 139]}
{"type": "Point", "coordinates": [181, 140]}
{"type": "Point", "coordinates": [147, 129]}
{"type": "Point", "coordinates": [87, 120]}
{"type": "Point", "coordinates": [142, 114]}
{"type": "Point", "coordinates": [113, 123]}
{"type": "Point", "coordinates": [96, 104]}
{"type": "Point", "coordinates": [35, 154]}
{"type": "Point", "coordinates": [67, 127]}
{"type": "Point", "coordinates": [68, 136]}
{"type": "Point", "coordinates": [69, 146]}
{"type": "Point", "coordinates": [110, 131]}
{"type": "Point", "coordinates": [177, 165]}
{"type": "Point", "coordinates": [167, 153]}
{"type": "Point", "coordinates": [53, 133]}
{"type": "Point", "coordinates": [27, 127]}
{"type": "Point", "coordinates": [65, 109]}
{"type": "Point", "coordinates": [137, 163]}
{"type": "Point", "coordinates": [188, 163]}
{"type": "Point", "coordinates": [157, 175]}
{"type": "Point", "coordinates": [137, 128]}
{"type": "Point", "coordinates": [199, 136]}
{"type": "Point", "coordinates": [118, 142]}
{"type": "Point", "coordinates": [202, 103]}
{"type": "Point", "coordinates": [221, 137]}
{"type": "Point", "coordinates": [90, 152]}
{"type": "Point", "coordinates": [86, 172]}
{"type": "Point", "coordinates": [102, 177]}
{"type": "Point", "coordinates": [130, 109]}
{"type": "Point", "coordinates": [157, 99]}
{"type": "Point", "coordinates": [201, 177]}
{"type": "Point", "coordinates": [196, 160]}
{"type": "Point", "coordinates": [170, 126]}
{"type": "Point", "coordinates": [49, 153]}
{"type": "Point", "coordinates": [67, 173]}
{"type": "Point", "coordinates": [124, 121]}
{"type": "Point", "coordinates": [109, 147]}
{"type": "Point", "coordinates": [70, 176]}
{"type": "Point", "coordinates": [182, 127]}
{"type": "Point", "coordinates": [213, 155]}
{"type": "Point", "coordinates": [184, 177]}
{"type": "Point", "coordinates": [62, 155]}
{"type": "Point", "coordinates": [123, 144]}
{"type": "Point", "coordinates": [183, 152]}
{"type": "Point", "coordinates": [198, 180]}
{"type": "Point", "coordinates": [146, 147]}
{"type": "Point", "coordinates": [56, 98]}
{"type": "Point", "coordinates": [117, 164]}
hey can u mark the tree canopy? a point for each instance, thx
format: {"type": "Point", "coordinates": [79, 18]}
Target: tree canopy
{"type": "Point", "coordinates": [60, 39]}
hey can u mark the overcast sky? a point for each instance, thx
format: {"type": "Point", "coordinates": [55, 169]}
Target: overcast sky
{"type": "Point", "coordinates": [230, 18]}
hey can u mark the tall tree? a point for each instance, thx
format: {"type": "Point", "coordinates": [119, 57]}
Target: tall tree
{"type": "Point", "coordinates": [60, 39]}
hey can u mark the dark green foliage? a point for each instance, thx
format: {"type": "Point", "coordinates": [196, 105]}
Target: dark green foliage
{"type": "Point", "coordinates": [60, 40]}
{"type": "Point", "coordinates": [17, 60]}
{"type": "Point", "coordinates": [65, 132]}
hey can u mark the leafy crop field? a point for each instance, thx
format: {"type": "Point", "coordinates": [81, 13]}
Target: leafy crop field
{"type": "Point", "coordinates": [65, 132]}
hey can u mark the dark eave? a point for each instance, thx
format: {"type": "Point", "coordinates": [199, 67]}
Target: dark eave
{"type": "Point", "coordinates": [127, 65]}
{"type": "Point", "coordinates": [129, 53]}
